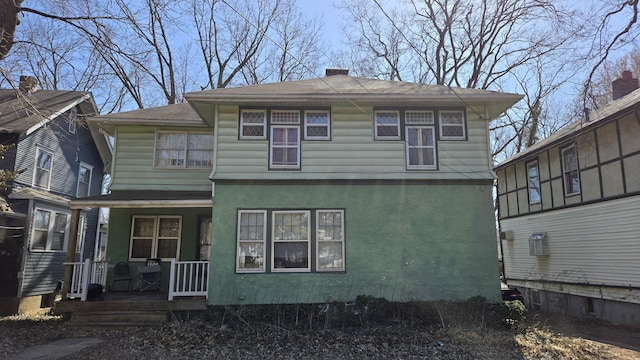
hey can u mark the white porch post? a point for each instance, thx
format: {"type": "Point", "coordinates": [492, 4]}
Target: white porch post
{"type": "Point", "coordinates": [71, 252]}
{"type": "Point", "coordinates": [172, 278]}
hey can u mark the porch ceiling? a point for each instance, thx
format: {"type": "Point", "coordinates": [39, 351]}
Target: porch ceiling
{"type": "Point", "coordinates": [145, 199]}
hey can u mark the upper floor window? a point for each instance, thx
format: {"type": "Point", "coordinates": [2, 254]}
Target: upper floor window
{"type": "Point", "coordinates": [420, 147]}
{"type": "Point", "coordinates": [387, 125]}
{"type": "Point", "coordinates": [253, 124]}
{"type": "Point", "coordinates": [452, 125]}
{"type": "Point", "coordinates": [284, 143]}
{"type": "Point", "coordinates": [43, 167]}
{"type": "Point", "coordinates": [317, 125]}
{"type": "Point", "coordinates": [183, 149]}
{"type": "Point", "coordinates": [84, 180]}
{"type": "Point", "coordinates": [533, 182]}
{"type": "Point", "coordinates": [50, 229]}
{"type": "Point", "coordinates": [570, 172]}
{"type": "Point", "coordinates": [72, 118]}
{"type": "Point", "coordinates": [155, 237]}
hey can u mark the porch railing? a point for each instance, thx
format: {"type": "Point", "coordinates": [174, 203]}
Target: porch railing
{"type": "Point", "coordinates": [188, 278]}
{"type": "Point", "coordinates": [85, 273]}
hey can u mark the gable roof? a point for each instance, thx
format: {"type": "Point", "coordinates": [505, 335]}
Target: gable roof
{"type": "Point", "coordinates": [349, 90]}
{"type": "Point", "coordinates": [25, 113]}
{"type": "Point", "coordinates": [596, 117]}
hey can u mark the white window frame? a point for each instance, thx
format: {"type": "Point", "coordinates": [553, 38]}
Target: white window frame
{"type": "Point", "coordinates": [408, 147]}
{"type": "Point", "coordinates": [244, 124]}
{"type": "Point", "coordinates": [320, 241]}
{"type": "Point", "coordinates": [82, 233]}
{"type": "Point", "coordinates": [308, 125]}
{"type": "Point", "coordinates": [285, 145]}
{"type": "Point", "coordinates": [566, 177]}
{"type": "Point", "coordinates": [539, 244]}
{"type": "Point", "coordinates": [37, 168]}
{"type": "Point", "coordinates": [50, 230]}
{"type": "Point", "coordinates": [72, 118]}
{"type": "Point", "coordinates": [88, 184]}
{"type": "Point", "coordinates": [530, 182]}
{"type": "Point", "coordinates": [419, 117]}
{"type": "Point", "coordinates": [184, 150]}
{"type": "Point", "coordinates": [263, 241]}
{"type": "Point", "coordinates": [442, 123]}
{"type": "Point", "coordinates": [378, 125]}
{"type": "Point", "coordinates": [284, 241]}
{"type": "Point", "coordinates": [155, 238]}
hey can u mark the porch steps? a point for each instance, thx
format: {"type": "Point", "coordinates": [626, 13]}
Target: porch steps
{"type": "Point", "coordinates": [117, 319]}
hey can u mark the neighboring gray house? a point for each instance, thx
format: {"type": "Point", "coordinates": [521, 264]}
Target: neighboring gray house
{"type": "Point", "coordinates": [59, 157]}
{"type": "Point", "coordinates": [569, 210]}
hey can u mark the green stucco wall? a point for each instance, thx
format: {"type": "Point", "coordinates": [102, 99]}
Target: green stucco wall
{"type": "Point", "coordinates": [403, 242]}
{"type": "Point", "coordinates": [120, 234]}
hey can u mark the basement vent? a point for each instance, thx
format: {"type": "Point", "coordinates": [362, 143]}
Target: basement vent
{"type": "Point", "coordinates": [538, 244]}
{"type": "Point", "coordinates": [506, 235]}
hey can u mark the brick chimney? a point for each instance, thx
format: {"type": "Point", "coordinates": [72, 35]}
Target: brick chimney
{"type": "Point", "coordinates": [624, 85]}
{"type": "Point", "coordinates": [329, 72]}
{"type": "Point", "coordinates": [28, 84]}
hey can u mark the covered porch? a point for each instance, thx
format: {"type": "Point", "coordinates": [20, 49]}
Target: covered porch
{"type": "Point", "coordinates": [172, 228]}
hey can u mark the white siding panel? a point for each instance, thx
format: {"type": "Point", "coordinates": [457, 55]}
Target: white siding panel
{"type": "Point", "coordinates": [593, 244]}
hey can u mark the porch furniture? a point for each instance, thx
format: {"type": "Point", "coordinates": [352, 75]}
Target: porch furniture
{"type": "Point", "coordinates": [121, 273]}
{"type": "Point", "coordinates": [151, 262]}
{"type": "Point", "coordinates": [149, 277]}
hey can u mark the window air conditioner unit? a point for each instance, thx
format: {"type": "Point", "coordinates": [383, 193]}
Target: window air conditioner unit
{"type": "Point", "coordinates": [506, 235]}
{"type": "Point", "coordinates": [539, 244]}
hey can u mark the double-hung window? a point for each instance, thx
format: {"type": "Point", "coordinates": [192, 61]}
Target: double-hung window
{"type": "Point", "coordinates": [183, 149]}
{"type": "Point", "coordinates": [253, 124]}
{"type": "Point", "coordinates": [43, 167]}
{"type": "Point", "coordinates": [317, 125]}
{"type": "Point", "coordinates": [387, 125]}
{"type": "Point", "coordinates": [297, 241]}
{"type": "Point", "coordinates": [84, 180]}
{"type": "Point", "coordinates": [452, 125]}
{"type": "Point", "coordinates": [420, 140]}
{"type": "Point", "coordinates": [284, 142]}
{"type": "Point", "coordinates": [50, 230]}
{"type": "Point", "coordinates": [570, 170]}
{"type": "Point", "coordinates": [155, 237]}
{"type": "Point", "coordinates": [533, 182]}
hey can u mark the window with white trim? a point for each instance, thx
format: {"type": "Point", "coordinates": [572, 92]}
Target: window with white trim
{"type": "Point", "coordinates": [289, 240]}
{"type": "Point", "coordinates": [570, 170]}
{"type": "Point", "coordinates": [50, 230]}
{"type": "Point", "coordinates": [317, 125]}
{"type": "Point", "coordinates": [72, 118]}
{"type": "Point", "coordinates": [387, 124]}
{"type": "Point", "coordinates": [452, 125]}
{"type": "Point", "coordinates": [284, 140]}
{"type": "Point", "coordinates": [42, 169]}
{"type": "Point", "coordinates": [533, 182]}
{"type": "Point", "coordinates": [420, 147]}
{"type": "Point", "coordinates": [84, 180]}
{"type": "Point", "coordinates": [253, 124]}
{"type": "Point", "coordinates": [183, 150]}
{"type": "Point", "coordinates": [155, 237]}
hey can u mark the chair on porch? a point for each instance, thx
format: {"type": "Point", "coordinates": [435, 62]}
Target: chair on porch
{"type": "Point", "coordinates": [121, 273]}
{"type": "Point", "coordinates": [150, 275]}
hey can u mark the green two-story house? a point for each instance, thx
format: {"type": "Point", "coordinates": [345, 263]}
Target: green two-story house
{"type": "Point", "coordinates": [314, 190]}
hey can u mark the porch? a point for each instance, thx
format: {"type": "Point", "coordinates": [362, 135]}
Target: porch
{"type": "Point", "coordinates": [187, 291]}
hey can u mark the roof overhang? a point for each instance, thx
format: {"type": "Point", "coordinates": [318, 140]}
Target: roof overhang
{"type": "Point", "coordinates": [146, 199]}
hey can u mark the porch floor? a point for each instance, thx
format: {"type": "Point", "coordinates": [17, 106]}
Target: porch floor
{"type": "Point", "coordinates": [132, 301]}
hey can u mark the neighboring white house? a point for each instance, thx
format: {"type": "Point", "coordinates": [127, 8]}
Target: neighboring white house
{"type": "Point", "coordinates": [569, 210]}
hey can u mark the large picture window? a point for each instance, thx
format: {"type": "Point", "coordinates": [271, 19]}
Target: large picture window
{"type": "Point", "coordinates": [570, 171]}
{"type": "Point", "coordinates": [155, 237]}
{"type": "Point", "coordinates": [43, 167]}
{"type": "Point", "coordinates": [294, 243]}
{"type": "Point", "coordinates": [183, 150]}
{"type": "Point", "coordinates": [533, 182]}
{"type": "Point", "coordinates": [50, 230]}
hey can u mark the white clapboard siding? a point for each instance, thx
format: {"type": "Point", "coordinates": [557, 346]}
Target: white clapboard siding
{"type": "Point", "coordinates": [596, 244]}
{"type": "Point", "coordinates": [352, 152]}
